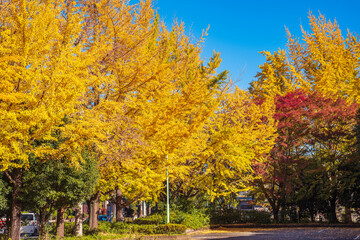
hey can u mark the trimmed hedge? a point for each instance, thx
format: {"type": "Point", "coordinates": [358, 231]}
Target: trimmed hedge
{"type": "Point", "coordinates": [234, 216]}
{"type": "Point", "coordinates": [131, 228]}
{"type": "Point", "coordinates": [151, 219]}
{"type": "Point", "coordinates": [153, 224]}
{"type": "Point", "coordinates": [170, 228]}
{"type": "Point", "coordinates": [193, 220]}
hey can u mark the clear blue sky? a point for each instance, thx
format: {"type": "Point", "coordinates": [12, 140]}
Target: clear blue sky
{"type": "Point", "coordinates": [240, 29]}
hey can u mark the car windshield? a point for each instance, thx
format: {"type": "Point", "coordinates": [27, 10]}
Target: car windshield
{"type": "Point", "coordinates": [26, 217]}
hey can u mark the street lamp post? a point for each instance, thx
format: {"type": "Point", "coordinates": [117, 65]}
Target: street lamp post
{"type": "Point", "coordinates": [167, 193]}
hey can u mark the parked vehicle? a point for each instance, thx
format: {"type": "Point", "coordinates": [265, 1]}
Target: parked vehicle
{"type": "Point", "coordinates": [3, 225]}
{"type": "Point", "coordinates": [29, 224]}
{"type": "Point", "coordinates": [102, 218]}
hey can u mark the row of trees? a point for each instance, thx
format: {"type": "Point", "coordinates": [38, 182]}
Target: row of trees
{"type": "Point", "coordinates": [99, 96]}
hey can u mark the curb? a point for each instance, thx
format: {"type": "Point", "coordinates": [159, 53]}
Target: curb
{"type": "Point", "coordinates": [310, 225]}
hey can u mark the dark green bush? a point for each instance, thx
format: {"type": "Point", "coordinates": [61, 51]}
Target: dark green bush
{"type": "Point", "coordinates": [258, 217]}
{"type": "Point", "coordinates": [225, 216]}
{"type": "Point", "coordinates": [233, 216]}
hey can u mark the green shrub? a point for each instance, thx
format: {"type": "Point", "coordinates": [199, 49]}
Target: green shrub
{"type": "Point", "coordinates": [194, 219]}
{"type": "Point", "coordinates": [119, 228]}
{"type": "Point", "coordinates": [144, 229]}
{"type": "Point", "coordinates": [128, 228]}
{"type": "Point", "coordinates": [258, 217]}
{"type": "Point", "coordinates": [233, 216]}
{"type": "Point", "coordinates": [69, 228]}
{"type": "Point", "coordinates": [104, 226]}
{"type": "Point", "coordinates": [151, 219]}
{"type": "Point", "coordinates": [51, 228]}
{"type": "Point", "coordinates": [170, 228]}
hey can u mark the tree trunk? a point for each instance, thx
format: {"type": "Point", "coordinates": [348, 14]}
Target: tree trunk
{"type": "Point", "coordinates": [276, 213]}
{"type": "Point", "coordinates": [300, 214]}
{"type": "Point", "coordinates": [79, 219]}
{"type": "Point", "coordinates": [94, 211]}
{"type": "Point", "coordinates": [332, 211]}
{"type": "Point", "coordinates": [312, 213]}
{"type": "Point", "coordinates": [16, 179]}
{"type": "Point", "coordinates": [149, 210]}
{"type": "Point", "coordinates": [60, 226]}
{"type": "Point", "coordinates": [348, 219]}
{"type": "Point", "coordinates": [119, 203]}
{"type": "Point", "coordinates": [43, 234]}
{"type": "Point", "coordinates": [141, 208]}
{"type": "Point", "coordinates": [283, 211]}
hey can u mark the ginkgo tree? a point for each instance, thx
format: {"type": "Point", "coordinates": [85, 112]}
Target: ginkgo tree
{"type": "Point", "coordinates": [232, 141]}
{"type": "Point", "coordinates": [149, 91]}
{"type": "Point", "coordinates": [240, 134]}
{"type": "Point", "coordinates": [44, 73]}
{"type": "Point", "coordinates": [324, 58]}
{"type": "Point", "coordinates": [119, 37]}
{"type": "Point", "coordinates": [182, 103]}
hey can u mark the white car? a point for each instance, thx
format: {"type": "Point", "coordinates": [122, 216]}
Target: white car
{"type": "Point", "coordinates": [29, 224]}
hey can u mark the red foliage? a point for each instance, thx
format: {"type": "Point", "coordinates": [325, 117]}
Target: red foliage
{"type": "Point", "coordinates": [304, 120]}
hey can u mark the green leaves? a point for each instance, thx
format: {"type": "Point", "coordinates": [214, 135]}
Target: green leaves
{"type": "Point", "coordinates": [56, 184]}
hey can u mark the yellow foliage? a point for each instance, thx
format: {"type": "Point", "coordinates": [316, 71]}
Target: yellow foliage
{"type": "Point", "coordinates": [43, 74]}
{"type": "Point", "coordinates": [112, 79]}
{"type": "Point", "coordinates": [241, 133]}
{"type": "Point", "coordinates": [148, 93]}
{"type": "Point", "coordinates": [323, 60]}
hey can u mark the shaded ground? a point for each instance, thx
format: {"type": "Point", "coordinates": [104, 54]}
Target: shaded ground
{"type": "Point", "coordinates": [268, 234]}
{"type": "Point", "coordinates": [280, 233]}
{"type": "Point", "coordinates": [296, 233]}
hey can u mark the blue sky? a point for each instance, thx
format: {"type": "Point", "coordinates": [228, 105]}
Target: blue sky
{"type": "Point", "coordinates": [240, 29]}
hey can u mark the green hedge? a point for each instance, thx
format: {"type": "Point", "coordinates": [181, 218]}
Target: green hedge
{"type": "Point", "coordinates": [170, 228]}
{"type": "Point", "coordinates": [193, 220]}
{"type": "Point", "coordinates": [153, 224]}
{"type": "Point", "coordinates": [234, 216]}
{"type": "Point", "coordinates": [151, 219]}
{"type": "Point", "coordinates": [132, 228]}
